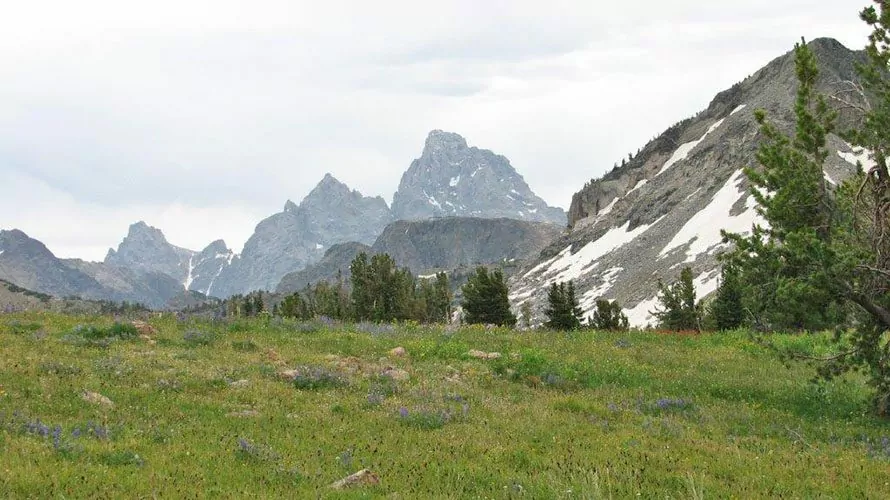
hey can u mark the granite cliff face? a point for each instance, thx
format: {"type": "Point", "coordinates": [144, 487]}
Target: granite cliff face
{"type": "Point", "coordinates": [430, 246]}
{"type": "Point", "coordinates": [299, 235]}
{"type": "Point", "coordinates": [665, 208]}
{"type": "Point", "coordinates": [451, 179]}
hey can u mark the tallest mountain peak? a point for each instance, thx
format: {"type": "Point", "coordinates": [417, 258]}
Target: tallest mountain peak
{"type": "Point", "coordinates": [439, 139]}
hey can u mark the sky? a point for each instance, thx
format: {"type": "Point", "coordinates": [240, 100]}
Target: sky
{"type": "Point", "coordinates": [203, 117]}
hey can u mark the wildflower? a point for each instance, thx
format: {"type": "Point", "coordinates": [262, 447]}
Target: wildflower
{"type": "Point", "coordinates": [403, 412]}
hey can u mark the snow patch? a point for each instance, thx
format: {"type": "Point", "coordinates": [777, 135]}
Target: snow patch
{"type": "Point", "coordinates": [828, 178]}
{"type": "Point", "coordinates": [567, 266]}
{"type": "Point", "coordinates": [638, 186]}
{"type": "Point", "coordinates": [736, 110]}
{"type": "Point", "coordinates": [856, 156]}
{"type": "Point", "coordinates": [608, 208]}
{"type": "Point", "coordinates": [454, 181]}
{"type": "Point", "coordinates": [588, 300]}
{"type": "Point", "coordinates": [639, 316]}
{"type": "Point", "coordinates": [702, 231]}
{"type": "Point", "coordinates": [706, 283]}
{"type": "Point", "coordinates": [683, 151]}
{"type": "Point", "coordinates": [190, 278]}
{"type": "Point", "coordinates": [319, 246]}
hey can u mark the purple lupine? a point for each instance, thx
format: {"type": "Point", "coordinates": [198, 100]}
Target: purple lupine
{"type": "Point", "coordinates": [403, 412]}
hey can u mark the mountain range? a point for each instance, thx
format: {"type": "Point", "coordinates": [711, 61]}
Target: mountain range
{"type": "Point", "coordinates": [471, 184]}
{"type": "Point", "coordinates": [458, 206]}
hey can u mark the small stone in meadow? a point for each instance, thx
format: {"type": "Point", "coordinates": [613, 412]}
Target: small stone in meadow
{"type": "Point", "coordinates": [398, 352]}
{"type": "Point", "coordinates": [144, 328]}
{"type": "Point", "coordinates": [289, 374]}
{"type": "Point", "coordinates": [483, 355]}
{"type": "Point", "coordinates": [243, 414]}
{"type": "Point", "coordinates": [396, 374]}
{"type": "Point", "coordinates": [96, 398]}
{"type": "Point", "coordinates": [363, 477]}
{"type": "Point", "coordinates": [240, 383]}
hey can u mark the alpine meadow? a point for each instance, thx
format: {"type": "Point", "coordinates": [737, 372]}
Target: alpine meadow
{"type": "Point", "coordinates": [709, 318]}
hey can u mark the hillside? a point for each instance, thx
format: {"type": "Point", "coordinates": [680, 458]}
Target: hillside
{"type": "Point", "coordinates": [666, 207]}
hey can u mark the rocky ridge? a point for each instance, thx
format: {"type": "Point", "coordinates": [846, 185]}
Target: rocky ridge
{"type": "Point", "coordinates": [665, 208]}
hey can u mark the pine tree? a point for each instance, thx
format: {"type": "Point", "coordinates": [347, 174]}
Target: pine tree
{"type": "Point", "coordinates": [727, 311]}
{"type": "Point", "coordinates": [678, 308]}
{"type": "Point", "coordinates": [608, 316]}
{"type": "Point", "coordinates": [563, 312]}
{"type": "Point", "coordinates": [486, 299]}
{"type": "Point", "coordinates": [786, 267]}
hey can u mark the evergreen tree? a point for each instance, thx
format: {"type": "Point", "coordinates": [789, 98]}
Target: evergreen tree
{"type": "Point", "coordinates": [486, 299]}
{"type": "Point", "coordinates": [608, 316]}
{"type": "Point", "coordinates": [727, 311]}
{"type": "Point", "coordinates": [525, 312]}
{"type": "Point", "coordinates": [563, 312]}
{"type": "Point", "coordinates": [786, 268]}
{"type": "Point", "coordinates": [678, 308]}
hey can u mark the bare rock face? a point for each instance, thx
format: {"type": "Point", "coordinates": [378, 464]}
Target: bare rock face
{"type": "Point", "coordinates": [298, 236]}
{"type": "Point", "coordinates": [665, 208]}
{"type": "Point", "coordinates": [451, 179]}
{"type": "Point", "coordinates": [146, 249]}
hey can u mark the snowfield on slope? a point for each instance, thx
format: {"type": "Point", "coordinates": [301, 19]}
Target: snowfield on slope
{"type": "Point", "coordinates": [568, 266]}
{"type": "Point", "coordinates": [702, 231]}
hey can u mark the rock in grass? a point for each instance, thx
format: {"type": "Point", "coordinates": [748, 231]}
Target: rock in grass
{"type": "Point", "coordinates": [144, 328]}
{"type": "Point", "coordinates": [396, 374]}
{"type": "Point", "coordinates": [483, 355]}
{"type": "Point", "coordinates": [96, 398]}
{"type": "Point", "coordinates": [289, 374]}
{"type": "Point", "coordinates": [398, 352]}
{"type": "Point", "coordinates": [243, 414]}
{"type": "Point", "coordinates": [240, 383]}
{"type": "Point", "coordinates": [363, 477]}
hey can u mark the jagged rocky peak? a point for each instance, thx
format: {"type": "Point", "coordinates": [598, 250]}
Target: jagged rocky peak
{"type": "Point", "coordinates": [146, 249]}
{"type": "Point", "coordinates": [291, 240]}
{"type": "Point", "coordinates": [452, 179]}
{"type": "Point", "coordinates": [665, 208]}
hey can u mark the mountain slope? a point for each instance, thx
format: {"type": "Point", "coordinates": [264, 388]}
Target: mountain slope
{"type": "Point", "coordinates": [452, 179]}
{"type": "Point", "coordinates": [665, 209]}
{"type": "Point", "coordinates": [435, 245]}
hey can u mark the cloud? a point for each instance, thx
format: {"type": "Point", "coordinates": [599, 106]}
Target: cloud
{"type": "Point", "coordinates": [212, 113]}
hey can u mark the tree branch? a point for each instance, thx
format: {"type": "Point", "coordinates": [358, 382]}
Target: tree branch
{"type": "Point", "coordinates": [881, 314]}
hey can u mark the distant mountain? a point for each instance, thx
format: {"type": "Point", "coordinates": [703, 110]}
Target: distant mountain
{"type": "Point", "coordinates": [299, 235]}
{"type": "Point", "coordinates": [27, 263]}
{"type": "Point", "coordinates": [452, 179]}
{"type": "Point", "coordinates": [665, 208]}
{"type": "Point", "coordinates": [146, 249]}
{"type": "Point", "coordinates": [429, 246]}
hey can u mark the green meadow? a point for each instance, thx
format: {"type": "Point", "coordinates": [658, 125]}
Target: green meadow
{"type": "Point", "coordinates": [280, 409]}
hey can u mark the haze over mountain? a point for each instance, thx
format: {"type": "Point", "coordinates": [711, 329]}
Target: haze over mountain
{"type": "Point", "coordinates": [666, 207]}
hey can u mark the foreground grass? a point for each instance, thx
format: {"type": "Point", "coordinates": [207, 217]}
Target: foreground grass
{"type": "Point", "coordinates": [205, 412]}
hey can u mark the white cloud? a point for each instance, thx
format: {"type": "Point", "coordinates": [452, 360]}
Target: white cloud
{"type": "Point", "coordinates": [221, 110]}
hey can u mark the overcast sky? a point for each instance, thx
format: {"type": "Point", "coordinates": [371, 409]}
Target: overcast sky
{"type": "Point", "coordinates": [204, 117]}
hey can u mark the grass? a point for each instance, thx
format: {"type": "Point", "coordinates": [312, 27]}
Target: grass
{"type": "Point", "coordinates": [205, 411]}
